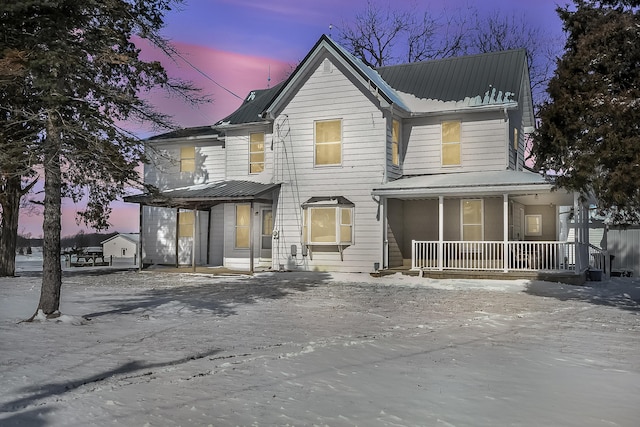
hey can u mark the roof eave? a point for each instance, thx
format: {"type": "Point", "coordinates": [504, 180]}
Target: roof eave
{"type": "Point", "coordinates": [462, 190]}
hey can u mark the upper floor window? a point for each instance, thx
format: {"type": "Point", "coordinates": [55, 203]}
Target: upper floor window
{"type": "Point", "coordinates": [187, 159]}
{"type": "Point", "coordinates": [515, 138]}
{"type": "Point", "coordinates": [256, 152]}
{"type": "Point", "coordinates": [451, 143]}
{"type": "Point", "coordinates": [395, 143]}
{"type": "Point", "coordinates": [328, 142]}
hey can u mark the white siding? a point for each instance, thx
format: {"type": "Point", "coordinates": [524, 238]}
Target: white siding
{"type": "Point", "coordinates": [484, 141]}
{"type": "Point", "coordinates": [327, 96]}
{"type": "Point", "coordinates": [115, 247]}
{"type": "Point", "coordinates": [237, 152]}
{"type": "Point", "coordinates": [159, 235]}
{"type": "Point", "coordinates": [216, 239]}
{"type": "Point", "coordinates": [163, 169]}
{"type": "Point", "coordinates": [185, 244]}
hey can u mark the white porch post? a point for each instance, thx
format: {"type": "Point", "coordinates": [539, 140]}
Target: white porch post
{"type": "Point", "coordinates": [440, 232]}
{"type": "Point", "coordinates": [251, 227]}
{"type": "Point", "coordinates": [505, 232]}
{"type": "Point", "coordinates": [196, 216]}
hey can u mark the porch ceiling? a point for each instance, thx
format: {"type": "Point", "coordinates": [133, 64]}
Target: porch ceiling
{"type": "Point", "coordinates": [523, 186]}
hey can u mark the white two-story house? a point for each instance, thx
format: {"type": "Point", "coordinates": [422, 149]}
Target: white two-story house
{"type": "Point", "coordinates": [345, 168]}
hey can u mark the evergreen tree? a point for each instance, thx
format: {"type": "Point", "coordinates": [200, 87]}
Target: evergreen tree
{"type": "Point", "coordinates": [590, 127]}
{"type": "Point", "coordinates": [81, 70]}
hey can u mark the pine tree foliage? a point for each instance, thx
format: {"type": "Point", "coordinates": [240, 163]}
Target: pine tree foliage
{"type": "Point", "coordinates": [590, 127]}
{"type": "Point", "coordinates": [77, 75]}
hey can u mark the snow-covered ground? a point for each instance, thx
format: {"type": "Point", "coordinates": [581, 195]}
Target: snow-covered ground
{"type": "Point", "coordinates": [300, 349]}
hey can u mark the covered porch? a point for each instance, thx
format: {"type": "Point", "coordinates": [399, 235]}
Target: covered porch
{"type": "Point", "coordinates": [499, 222]}
{"type": "Point", "coordinates": [219, 224]}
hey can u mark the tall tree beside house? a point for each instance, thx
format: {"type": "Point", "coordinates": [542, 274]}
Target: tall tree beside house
{"type": "Point", "coordinates": [84, 70]}
{"type": "Point", "coordinates": [590, 128]}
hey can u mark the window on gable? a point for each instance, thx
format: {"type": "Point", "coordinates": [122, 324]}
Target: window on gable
{"type": "Point", "coordinates": [185, 224]}
{"type": "Point", "coordinates": [243, 216]}
{"type": "Point", "coordinates": [256, 152]}
{"type": "Point", "coordinates": [395, 143]}
{"type": "Point", "coordinates": [472, 220]}
{"type": "Point", "coordinates": [451, 143]}
{"type": "Point", "coordinates": [515, 138]}
{"type": "Point", "coordinates": [328, 142]}
{"type": "Point", "coordinates": [187, 159]}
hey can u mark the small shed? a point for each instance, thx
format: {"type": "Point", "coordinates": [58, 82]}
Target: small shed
{"type": "Point", "coordinates": [122, 245]}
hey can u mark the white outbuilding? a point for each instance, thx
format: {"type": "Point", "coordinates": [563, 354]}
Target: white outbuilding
{"type": "Point", "coordinates": [122, 245]}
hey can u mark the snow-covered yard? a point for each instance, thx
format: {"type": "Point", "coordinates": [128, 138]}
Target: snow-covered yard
{"type": "Point", "coordinates": [298, 349]}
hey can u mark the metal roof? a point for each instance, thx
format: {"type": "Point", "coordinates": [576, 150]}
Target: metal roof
{"type": "Point", "coordinates": [496, 75]}
{"type": "Point", "coordinates": [249, 112]}
{"type": "Point", "coordinates": [187, 133]}
{"type": "Point", "coordinates": [465, 183]}
{"type": "Point", "coordinates": [203, 195]}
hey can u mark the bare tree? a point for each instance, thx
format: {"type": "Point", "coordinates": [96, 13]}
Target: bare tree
{"type": "Point", "coordinates": [382, 36]}
{"type": "Point", "coordinates": [374, 33]}
{"type": "Point", "coordinates": [496, 32]}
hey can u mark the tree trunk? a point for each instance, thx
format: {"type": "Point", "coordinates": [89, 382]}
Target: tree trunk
{"type": "Point", "coordinates": [51, 268]}
{"type": "Point", "coordinates": [9, 225]}
{"type": "Point", "coordinates": [10, 200]}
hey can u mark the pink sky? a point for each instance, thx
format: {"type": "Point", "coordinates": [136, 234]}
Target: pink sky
{"type": "Point", "coordinates": [239, 43]}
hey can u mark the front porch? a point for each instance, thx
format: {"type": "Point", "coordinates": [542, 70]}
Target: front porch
{"type": "Point", "coordinates": [502, 223]}
{"type": "Point", "coordinates": [567, 262]}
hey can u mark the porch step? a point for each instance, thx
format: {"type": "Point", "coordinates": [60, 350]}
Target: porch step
{"type": "Point", "coordinates": [561, 277]}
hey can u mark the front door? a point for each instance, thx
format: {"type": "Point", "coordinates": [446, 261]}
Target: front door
{"type": "Point", "coordinates": [266, 232]}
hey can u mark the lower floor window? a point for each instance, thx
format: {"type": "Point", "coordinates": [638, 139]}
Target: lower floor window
{"type": "Point", "coordinates": [328, 225]}
{"type": "Point", "coordinates": [243, 215]}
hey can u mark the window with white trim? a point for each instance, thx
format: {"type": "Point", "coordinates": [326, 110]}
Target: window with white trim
{"type": "Point", "coordinates": [185, 223]}
{"type": "Point", "coordinates": [327, 225]}
{"type": "Point", "coordinates": [256, 152]}
{"type": "Point", "coordinates": [451, 143]}
{"type": "Point", "coordinates": [328, 142]}
{"type": "Point", "coordinates": [395, 143]}
{"type": "Point", "coordinates": [533, 225]}
{"type": "Point", "coordinates": [472, 219]}
{"type": "Point", "coordinates": [187, 159]}
{"type": "Point", "coordinates": [243, 216]}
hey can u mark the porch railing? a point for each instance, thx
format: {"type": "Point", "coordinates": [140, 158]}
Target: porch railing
{"type": "Point", "coordinates": [493, 256]}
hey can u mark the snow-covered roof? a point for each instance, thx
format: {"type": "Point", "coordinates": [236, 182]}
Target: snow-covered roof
{"type": "Point", "coordinates": [487, 183]}
{"type": "Point", "coordinates": [133, 237]}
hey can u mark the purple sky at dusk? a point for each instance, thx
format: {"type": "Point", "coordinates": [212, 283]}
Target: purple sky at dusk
{"type": "Point", "coordinates": [239, 43]}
